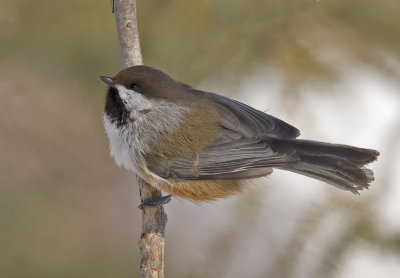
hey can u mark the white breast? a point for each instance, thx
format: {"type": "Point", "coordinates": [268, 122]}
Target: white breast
{"type": "Point", "coordinates": [121, 149]}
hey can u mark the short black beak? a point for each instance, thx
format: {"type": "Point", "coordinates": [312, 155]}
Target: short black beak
{"type": "Point", "coordinates": [108, 81]}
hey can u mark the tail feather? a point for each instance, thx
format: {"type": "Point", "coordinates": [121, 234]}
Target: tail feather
{"type": "Point", "coordinates": [340, 165]}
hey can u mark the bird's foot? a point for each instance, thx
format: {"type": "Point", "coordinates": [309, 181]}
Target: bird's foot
{"type": "Point", "coordinates": [154, 202]}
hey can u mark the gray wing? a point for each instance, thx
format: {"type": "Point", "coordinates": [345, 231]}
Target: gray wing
{"type": "Point", "coordinates": [231, 156]}
{"type": "Point", "coordinates": [248, 121]}
{"type": "Point", "coordinates": [241, 150]}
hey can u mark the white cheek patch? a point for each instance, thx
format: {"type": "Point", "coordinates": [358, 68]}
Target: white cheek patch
{"type": "Point", "coordinates": [133, 101]}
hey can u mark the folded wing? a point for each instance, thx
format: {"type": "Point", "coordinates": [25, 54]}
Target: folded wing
{"type": "Point", "coordinates": [231, 156]}
{"type": "Point", "coordinates": [240, 151]}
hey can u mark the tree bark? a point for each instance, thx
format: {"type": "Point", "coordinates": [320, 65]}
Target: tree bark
{"type": "Point", "coordinates": [154, 219]}
{"type": "Point", "coordinates": [128, 32]}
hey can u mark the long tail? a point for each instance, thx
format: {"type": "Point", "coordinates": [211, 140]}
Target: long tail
{"type": "Point", "coordinates": [339, 165]}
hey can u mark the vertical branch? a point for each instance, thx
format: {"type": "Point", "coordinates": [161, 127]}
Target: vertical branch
{"type": "Point", "coordinates": [154, 219]}
{"type": "Point", "coordinates": [152, 240]}
{"type": "Point", "coordinates": [128, 32]}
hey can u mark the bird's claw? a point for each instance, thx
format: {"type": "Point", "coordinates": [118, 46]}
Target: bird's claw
{"type": "Point", "coordinates": [154, 202]}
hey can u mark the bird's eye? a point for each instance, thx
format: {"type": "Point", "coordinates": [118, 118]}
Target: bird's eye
{"type": "Point", "coordinates": [133, 86]}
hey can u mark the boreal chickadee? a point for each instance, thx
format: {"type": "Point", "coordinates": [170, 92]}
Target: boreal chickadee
{"type": "Point", "coordinates": [202, 146]}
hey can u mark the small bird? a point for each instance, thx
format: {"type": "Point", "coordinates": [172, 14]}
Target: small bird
{"type": "Point", "coordinates": [203, 146]}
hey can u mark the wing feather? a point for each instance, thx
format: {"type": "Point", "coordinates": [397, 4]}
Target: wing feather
{"type": "Point", "coordinates": [246, 120]}
{"type": "Point", "coordinates": [240, 151]}
{"type": "Point", "coordinates": [232, 159]}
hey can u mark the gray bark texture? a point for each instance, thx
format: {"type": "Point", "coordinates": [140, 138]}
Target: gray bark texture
{"type": "Point", "coordinates": [154, 219]}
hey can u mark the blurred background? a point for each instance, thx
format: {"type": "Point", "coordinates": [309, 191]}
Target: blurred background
{"type": "Point", "coordinates": [329, 67]}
